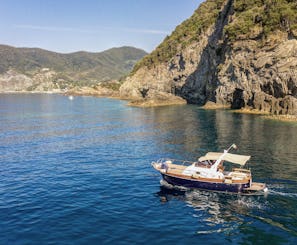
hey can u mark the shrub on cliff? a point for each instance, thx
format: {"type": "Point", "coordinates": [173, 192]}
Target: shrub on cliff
{"type": "Point", "coordinates": [251, 19]}
{"type": "Point", "coordinates": [266, 16]}
{"type": "Point", "coordinates": [184, 34]}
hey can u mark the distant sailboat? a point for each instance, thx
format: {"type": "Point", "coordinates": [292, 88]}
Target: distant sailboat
{"type": "Point", "coordinates": [70, 97]}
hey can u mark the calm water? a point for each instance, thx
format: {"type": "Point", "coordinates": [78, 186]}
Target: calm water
{"type": "Point", "coordinates": [78, 172]}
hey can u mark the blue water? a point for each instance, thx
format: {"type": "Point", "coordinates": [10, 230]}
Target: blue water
{"type": "Point", "coordinates": [78, 172]}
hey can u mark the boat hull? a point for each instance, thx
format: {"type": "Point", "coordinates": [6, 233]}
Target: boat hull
{"type": "Point", "coordinates": [205, 185]}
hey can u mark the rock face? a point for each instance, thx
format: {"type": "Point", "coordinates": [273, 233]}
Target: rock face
{"type": "Point", "coordinates": [263, 79]}
{"type": "Point", "coordinates": [255, 70]}
{"type": "Point", "coordinates": [41, 81]}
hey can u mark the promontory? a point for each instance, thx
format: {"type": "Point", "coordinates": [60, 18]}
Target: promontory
{"type": "Point", "coordinates": [229, 53]}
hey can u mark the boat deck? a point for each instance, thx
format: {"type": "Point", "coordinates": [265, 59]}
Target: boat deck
{"type": "Point", "coordinates": [236, 177]}
{"type": "Point", "coordinates": [256, 187]}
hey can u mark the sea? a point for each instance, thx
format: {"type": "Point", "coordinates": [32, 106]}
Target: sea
{"type": "Point", "coordinates": [78, 171]}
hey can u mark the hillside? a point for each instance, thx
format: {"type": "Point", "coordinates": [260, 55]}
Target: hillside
{"type": "Point", "coordinates": [229, 53]}
{"type": "Point", "coordinates": [41, 70]}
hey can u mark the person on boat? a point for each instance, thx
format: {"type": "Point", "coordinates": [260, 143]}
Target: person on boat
{"type": "Point", "coordinates": [206, 164]}
{"type": "Point", "coordinates": [165, 165]}
{"type": "Point", "coordinates": [221, 167]}
{"type": "Point", "coordinates": [220, 174]}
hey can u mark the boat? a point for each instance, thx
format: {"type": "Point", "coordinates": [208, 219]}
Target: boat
{"type": "Point", "coordinates": [208, 173]}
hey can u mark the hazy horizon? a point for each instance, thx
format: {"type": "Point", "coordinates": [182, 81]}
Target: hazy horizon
{"type": "Point", "coordinates": [91, 26]}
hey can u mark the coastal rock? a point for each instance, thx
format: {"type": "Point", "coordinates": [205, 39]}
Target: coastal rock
{"type": "Point", "coordinates": [103, 89]}
{"type": "Point", "coordinates": [13, 81]}
{"type": "Point", "coordinates": [165, 78]}
{"type": "Point", "coordinates": [260, 78]}
{"type": "Point", "coordinates": [158, 99]}
{"type": "Point", "coordinates": [41, 81]}
{"type": "Point", "coordinates": [250, 71]}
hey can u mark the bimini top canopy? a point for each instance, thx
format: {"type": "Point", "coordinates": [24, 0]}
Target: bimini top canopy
{"type": "Point", "coordinates": [238, 159]}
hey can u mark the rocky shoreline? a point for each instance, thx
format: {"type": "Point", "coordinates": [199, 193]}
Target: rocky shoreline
{"type": "Point", "coordinates": [157, 102]}
{"type": "Point", "coordinates": [252, 70]}
{"type": "Point", "coordinates": [267, 115]}
{"type": "Point", "coordinates": [162, 100]}
{"type": "Point", "coordinates": [283, 118]}
{"type": "Point", "coordinates": [169, 100]}
{"type": "Point", "coordinates": [86, 91]}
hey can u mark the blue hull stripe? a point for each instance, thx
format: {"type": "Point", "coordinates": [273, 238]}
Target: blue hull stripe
{"type": "Point", "coordinates": [204, 185]}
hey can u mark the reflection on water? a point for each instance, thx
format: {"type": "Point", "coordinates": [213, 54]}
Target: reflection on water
{"type": "Point", "coordinates": [191, 132]}
{"type": "Point", "coordinates": [216, 211]}
{"type": "Point", "coordinates": [232, 214]}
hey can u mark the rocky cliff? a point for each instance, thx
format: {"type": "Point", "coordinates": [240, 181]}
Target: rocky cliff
{"type": "Point", "coordinates": [31, 69]}
{"type": "Point", "coordinates": [233, 53]}
{"type": "Point", "coordinates": [43, 80]}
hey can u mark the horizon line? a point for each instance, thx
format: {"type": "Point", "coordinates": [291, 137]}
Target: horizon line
{"type": "Point", "coordinates": [86, 30]}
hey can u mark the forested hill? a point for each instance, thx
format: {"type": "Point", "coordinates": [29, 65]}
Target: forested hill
{"type": "Point", "coordinates": [36, 66]}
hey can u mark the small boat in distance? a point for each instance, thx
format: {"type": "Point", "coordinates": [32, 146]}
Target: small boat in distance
{"type": "Point", "coordinates": [208, 173]}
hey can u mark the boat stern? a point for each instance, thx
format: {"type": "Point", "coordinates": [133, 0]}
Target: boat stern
{"type": "Point", "coordinates": [256, 187]}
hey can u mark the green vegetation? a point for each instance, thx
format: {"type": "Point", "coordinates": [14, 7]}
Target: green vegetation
{"type": "Point", "coordinates": [260, 18]}
{"type": "Point", "coordinates": [113, 85]}
{"type": "Point", "coordinates": [251, 19]}
{"type": "Point", "coordinates": [184, 34]}
{"type": "Point", "coordinates": [75, 69]}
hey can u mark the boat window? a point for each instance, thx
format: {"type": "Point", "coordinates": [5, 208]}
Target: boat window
{"type": "Point", "coordinates": [210, 163]}
{"type": "Point", "coordinates": [203, 164]}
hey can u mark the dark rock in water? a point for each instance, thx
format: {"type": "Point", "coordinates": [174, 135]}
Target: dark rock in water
{"type": "Point", "coordinates": [238, 99]}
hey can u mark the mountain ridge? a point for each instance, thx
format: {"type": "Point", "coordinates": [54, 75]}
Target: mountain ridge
{"type": "Point", "coordinates": [60, 71]}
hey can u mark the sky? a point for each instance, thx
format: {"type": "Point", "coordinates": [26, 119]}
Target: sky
{"type": "Point", "coordinates": [90, 25]}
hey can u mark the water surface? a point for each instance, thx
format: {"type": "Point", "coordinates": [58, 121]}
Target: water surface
{"type": "Point", "coordinates": [78, 172]}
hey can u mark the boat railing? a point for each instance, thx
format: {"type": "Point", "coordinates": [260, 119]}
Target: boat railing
{"type": "Point", "coordinates": [175, 161]}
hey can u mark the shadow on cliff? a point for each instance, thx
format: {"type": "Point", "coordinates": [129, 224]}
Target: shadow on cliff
{"type": "Point", "coordinates": [200, 86]}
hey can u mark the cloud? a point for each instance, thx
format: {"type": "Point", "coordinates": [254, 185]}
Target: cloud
{"type": "Point", "coordinates": [146, 31]}
{"type": "Point", "coordinates": [53, 28]}
{"type": "Point", "coordinates": [94, 30]}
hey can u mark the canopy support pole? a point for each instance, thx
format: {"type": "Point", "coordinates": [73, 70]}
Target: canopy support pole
{"type": "Point", "coordinates": [214, 167]}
